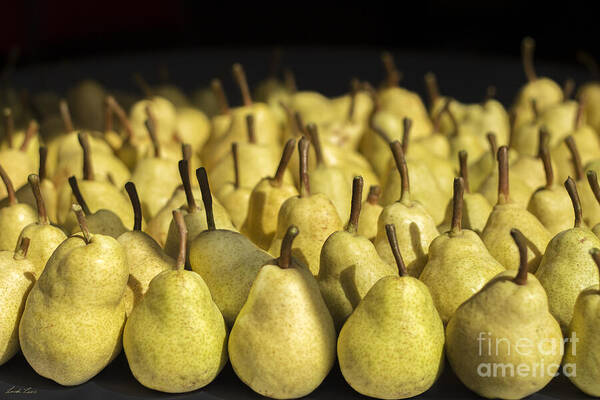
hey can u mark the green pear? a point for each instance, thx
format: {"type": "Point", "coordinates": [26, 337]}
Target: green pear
{"type": "Point", "coordinates": [26, 141]}
{"type": "Point", "coordinates": [571, 247]}
{"type": "Point", "coordinates": [13, 217]}
{"type": "Point", "coordinates": [369, 214]}
{"type": "Point", "coordinates": [591, 207]}
{"type": "Point", "coordinates": [595, 187]}
{"type": "Point", "coordinates": [165, 118]}
{"type": "Point", "coordinates": [235, 197]}
{"type": "Point", "coordinates": [17, 161]}
{"type": "Point", "coordinates": [503, 342]}
{"type": "Point", "coordinates": [459, 264]}
{"type": "Point", "coordinates": [73, 319]}
{"type": "Point", "coordinates": [349, 265]}
{"type": "Point", "coordinates": [282, 344]}
{"type": "Point", "coordinates": [392, 345]}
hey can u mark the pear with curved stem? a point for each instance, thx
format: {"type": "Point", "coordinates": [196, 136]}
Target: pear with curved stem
{"type": "Point", "coordinates": [370, 212]}
{"type": "Point", "coordinates": [459, 264]}
{"type": "Point", "coordinates": [165, 119]}
{"type": "Point", "coordinates": [13, 217]}
{"type": "Point", "coordinates": [24, 140]}
{"type": "Point", "coordinates": [591, 207]}
{"type": "Point", "coordinates": [529, 169]}
{"type": "Point", "coordinates": [592, 178]}
{"type": "Point", "coordinates": [234, 197]}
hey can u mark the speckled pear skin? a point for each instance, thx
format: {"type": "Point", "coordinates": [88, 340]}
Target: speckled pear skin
{"type": "Point", "coordinates": [44, 239]}
{"type": "Point", "coordinates": [235, 200]}
{"type": "Point", "coordinates": [553, 207]}
{"type": "Point", "coordinates": [350, 266]}
{"type": "Point", "coordinates": [228, 262]}
{"type": "Point", "coordinates": [476, 211]}
{"type": "Point", "coordinates": [282, 344]}
{"type": "Point", "coordinates": [392, 346]}
{"type": "Point", "coordinates": [496, 235]}
{"type": "Point", "coordinates": [566, 269]}
{"type": "Point", "coordinates": [12, 220]}
{"type": "Point", "coordinates": [334, 183]}
{"type": "Point", "coordinates": [73, 319]}
{"type": "Point", "coordinates": [459, 266]}
{"type": "Point", "coordinates": [17, 277]}
{"type": "Point", "coordinates": [596, 230]}
{"type": "Point", "coordinates": [367, 221]}
{"type": "Point", "coordinates": [103, 222]}
{"type": "Point", "coordinates": [146, 259]}
{"type": "Point", "coordinates": [501, 311]}
{"type": "Point", "coordinates": [316, 219]}
{"type": "Point", "coordinates": [415, 230]}
{"type": "Point", "coordinates": [175, 340]}
{"type": "Point", "coordinates": [586, 352]}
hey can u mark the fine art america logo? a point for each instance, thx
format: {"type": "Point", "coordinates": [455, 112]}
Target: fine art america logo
{"type": "Point", "coordinates": [523, 349]}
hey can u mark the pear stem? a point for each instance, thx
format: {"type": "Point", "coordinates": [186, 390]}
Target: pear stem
{"type": "Point", "coordinates": [299, 123]}
{"type": "Point", "coordinates": [374, 193]}
{"type": "Point", "coordinates": [78, 196]}
{"type": "Point", "coordinates": [32, 130]}
{"type": "Point", "coordinates": [22, 249]}
{"type": "Point", "coordinates": [574, 195]}
{"type": "Point", "coordinates": [433, 91]}
{"type": "Point", "coordinates": [378, 130]}
{"type": "Point", "coordinates": [251, 128]}
{"type": "Point", "coordinates": [142, 84]}
{"type": "Point", "coordinates": [135, 203]}
{"type": "Point", "coordinates": [521, 242]}
{"type": "Point", "coordinates": [289, 80]}
{"type": "Point", "coordinates": [392, 75]}
{"type": "Point", "coordinates": [535, 109]}
{"type": "Point", "coordinates": [184, 173]}
{"type": "Point", "coordinates": [288, 150]}
{"type": "Point", "coordinates": [437, 119]}
{"type": "Point", "coordinates": [544, 154]}
{"type": "Point", "coordinates": [10, 189]}
{"type": "Point", "coordinates": [406, 125]}
{"type": "Point", "coordinates": [43, 156]}
{"type": "Point", "coordinates": [236, 165]}
{"type": "Point", "coordinates": [491, 138]}
{"type": "Point", "coordinates": [402, 169]}
{"type": "Point", "coordinates": [580, 113]}
{"type": "Point", "coordinates": [121, 114]}
{"type": "Point", "coordinates": [88, 169]}
{"type": "Point", "coordinates": [568, 88]}
{"type": "Point", "coordinates": [457, 205]}
{"type": "Point", "coordinates": [354, 87]}
{"type": "Point", "coordinates": [285, 255]}
{"type": "Point", "coordinates": [593, 181]}
{"type": "Point", "coordinates": [151, 128]}
{"type": "Point", "coordinates": [34, 183]}
{"type": "Point", "coordinates": [9, 126]}
{"type": "Point", "coordinates": [595, 253]}
{"type": "Point", "coordinates": [464, 169]}
{"type": "Point", "coordinates": [314, 137]}
{"type": "Point", "coordinates": [219, 94]}
{"type": "Point", "coordinates": [303, 158]}
{"type": "Point", "coordinates": [490, 93]}
{"type": "Point", "coordinates": [206, 197]}
{"type": "Point", "coordinates": [240, 77]}
{"type": "Point", "coordinates": [186, 151]}
{"type": "Point", "coordinates": [290, 119]}
{"type": "Point", "coordinates": [576, 158]}
{"type": "Point", "coordinates": [527, 48]}
{"type": "Point", "coordinates": [183, 233]}
{"type": "Point", "coordinates": [390, 230]}
{"type": "Point", "coordinates": [66, 115]}
{"type": "Point", "coordinates": [81, 219]}
{"type": "Point", "coordinates": [357, 188]}
{"type": "Point", "coordinates": [503, 180]}
{"type": "Point", "coordinates": [109, 125]}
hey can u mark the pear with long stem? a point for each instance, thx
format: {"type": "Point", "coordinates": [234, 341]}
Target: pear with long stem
{"type": "Point", "coordinates": [14, 216]}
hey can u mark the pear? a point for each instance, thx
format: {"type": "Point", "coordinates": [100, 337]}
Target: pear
{"type": "Point", "coordinates": [221, 122]}
{"type": "Point", "coordinates": [415, 226]}
{"type": "Point", "coordinates": [464, 137]}
{"type": "Point", "coordinates": [234, 197]}
{"type": "Point", "coordinates": [44, 237]}
{"type": "Point", "coordinates": [561, 281]}
{"type": "Point", "coordinates": [265, 201]}
{"type": "Point", "coordinates": [73, 319]}
{"type": "Point", "coordinates": [459, 264]}
{"type": "Point", "coordinates": [17, 276]}
{"type": "Point", "coordinates": [86, 100]}
{"type": "Point", "coordinates": [482, 168]}
{"type": "Point", "coordinates": [175, 339]}
{"type": "Point", "coordinates": [25, 141]}
{"type": "Point", "coordinates": [192, 126]}
{"type": "Point", "coordinates": [314, 214]}
{"type": "Point", "coordinates": [593, 181]}
{"type": "Point", "coordinates": [145, 257]}
{"type": "Point", "coordinates": [392, 345]}
{"type": "Point", "coordinates": [13, 217]}
{"type": "Point", "coordinates": [370, 212]}
{"type": "Point", "coordinates": [479, 345]}
{"type": "Point", "coordinates": [282, 344]}
{"type": "Point", "coordinates": [582, 354]}
{"type": "Point", "coordinates": [165, 118]}
{"type": "Point", "coordinates": [226, 260]}
{"type": "Point", "coordinates": [17, 161]}
{"type": "Point", "coordinates": [507, 214]}
{"type": "Point", "coordinates": [349, 264]}
{"type": "Point", "coordinates": [529, 169]}
{"type": "Point", "coordinates": [591, 208]}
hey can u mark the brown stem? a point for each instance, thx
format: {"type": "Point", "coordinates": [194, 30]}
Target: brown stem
{"type": "Point", "coordinates": [219, 94]}
{"type": "Point", "coordinates": [186, 151]}
{"type": "Point", "coordinates": [78, 196]}
{"type": "Point", "coordinates": [151, 128]}
{"type": "Point", "coordinates": [527, 48]}
{"type": "Point", "coordinates": [374, 193]}
{"type": "Point", "coordinates": [251, 128]}
{"type": "Point", "coordinates": [572, 190]}
{"type": "Point", "coordinates": [544, 154]}
{"type": "Point", "coordinates": [433, 91]}
{"type": "Point", "coordinates": [34, 183]}
{"type": "Point", "coordinates": [392, 76]}
{"type": "Point", "coordinates": [437, 119]}
{"type": "Point", "coordinates": [285, 254]}
{"type": "Point", "coordinates": [66, 115]}
{"type": "Point", "coordinates": [121, 114]}
{"type": "Point", "coordinates": [580, 113]}
{"type": "Point", "coordinates": [593, 181]}
{"type": "Point", "coordinates": [288, 149]}
{"type": "Point", "coordinates": [183, 233]}
{"type": "Point", "coordinates": [240, 77]}
{"type": "Point", "coordinates": [595, 253]}
{"type": "Point", "coordinates": [9, 126]}
{"type": "Point", "coordinates": [464, 169]}
{"type": "Point", "coordinates": [575, 157]}
{"type": "Point", "coordinates": [206, 197]}
{"type": "Point", "coordinates": [184, 173]}
{"type": "Point", "coordinates": [390, 230]}
{"type": "Point", "coordinates": [303, 159]}
{"type": "Point", "coordinates": [402, 169]}
{"type": "Point", "coordinates": [289, 80]}
{"type": "Point", "coordinates": [43, 156]}
{"type": "Point", "coordinates": [457, 205]}
{"type": "Point", "coordinates": [491, 138]}
{"type": "Point", "coordinates": [354, 88]}
{"type": "Point", "coordinates": [406, 125]}
{"type": "Point", "coordinates": [79, 213]}
{"type": "Point", "coordinates": [316, 141]}
{"type": "Point", "coordinates": [521, 242]}
{"type": "Point", "coordinates": [568, 88]}
{"type": "Point", "coordinates": [490, 93]}
{"type": "Point", "coordinates": [142, 84]}
{"type": "Point", "coordinates": [10, 189]}
{"type": "Point", "coordinates": [236, 165]}
{"type": "Point", "coordinates": [22, 248]}
{"type": "Point", "coordinates": [378, 130]}
{"type": "Point", "coordinates": [503, 183]}
{"type": "Point", "coordinates": [32, 130]}
{"type": "Point", "coordinates": [88, 168]}
{"type": "Point", "coordinates": [356, 204]}
{"type": "Point", "coordinates": [590, 63]}
{"type": "Point", "coordinates": [135, 203]}
{"type": "Point", "coordinates": [299, 123]}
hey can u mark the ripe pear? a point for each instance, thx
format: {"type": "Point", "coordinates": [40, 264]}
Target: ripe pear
{"type": "Point", "coordinates": [507, 214]}
{"type": "Point", "coordinates": [282, 344]}
{"type": "Point", "coordinates": [478, 341]}
{"type": "Point", "coordinates": [415, 226]}
{"type": "Point", "coordinates": [459, 264]}
{"type": "Point", "coordinates": [13, 217]}
{"type": "Point", "coordinates": [17, 276]}
{"type": "Point", "coordinates": [349, 265]}
{"type": "Point", "coordinates": [17, 161]}
{"type": "Point", "coordinates": [589, 204]}
{"type": "Point", "coordinates": [25, 140]}
{"type": "Point", "coordinates": [593, 181]}
{"type": "Point", "coordinates": [234, 197]}
{"type": "Point", "coordinates": [192, 127]}
{"type": "Point", "coordinates": [86, 99]}
{"type": "Point", "coordinates": [265, 201]}
{"type": "Point", "coordinates": [165, 118]}
{"type": "Point", "coordinates": [571, 247]}
{"type": "Point", "coordinates": [392, 345]}
{"type": "Point", "coordinates": [226, 260]}
{"type": "Point", "coordinates": [70, 335]}
{"type": "Point", "coordinates": [314, 214]}
{"type": "Point", "coordinates": [370, 212]}
{"type": "Point", "coordinates": [175, 339]}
